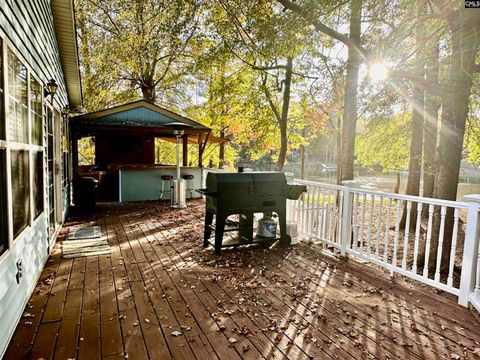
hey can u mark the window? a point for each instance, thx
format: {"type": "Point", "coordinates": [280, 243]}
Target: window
{"type": "Point", "coordinates": [37, 188]}
{"type": "Point", "coordinates": [17, 99]}
{"type": "Point", "coordinates": [20, 191]}
{"type": "Point", "coordinates": [36, 111]}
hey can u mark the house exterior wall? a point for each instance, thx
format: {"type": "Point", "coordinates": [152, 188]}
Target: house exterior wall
{"type": "Point", "coordinates": [27, 30]}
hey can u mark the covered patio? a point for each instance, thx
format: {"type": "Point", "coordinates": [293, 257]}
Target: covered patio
{"type": "Point", "coordinates": [160, 295]}
{"type": "Point", "coordinates": [124, 150]}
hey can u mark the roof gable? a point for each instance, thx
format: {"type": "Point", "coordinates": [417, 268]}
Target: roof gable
{"type": "Point", "coordinates": [140, 115]}
{"type": "Point", "coordinates": [137, 114]}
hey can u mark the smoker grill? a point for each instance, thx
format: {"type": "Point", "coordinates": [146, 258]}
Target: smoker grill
{"type": "Point", "coordinates": [245, 194]}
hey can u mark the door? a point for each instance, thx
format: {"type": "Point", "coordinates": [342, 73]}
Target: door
{"type": "Point", "coordinates": [55, 211]}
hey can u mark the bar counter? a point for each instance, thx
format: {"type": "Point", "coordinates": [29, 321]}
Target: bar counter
{"type": "Point", "coordinates": [143, 182]}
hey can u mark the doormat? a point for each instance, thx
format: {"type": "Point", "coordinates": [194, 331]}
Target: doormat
{"type": "Point", "coordinates": [85, 241]}
{"type": "Point", "coordinates": [85, 232]}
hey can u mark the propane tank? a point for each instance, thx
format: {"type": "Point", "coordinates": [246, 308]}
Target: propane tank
{"type": "Point", "coordinates": [267, 227]}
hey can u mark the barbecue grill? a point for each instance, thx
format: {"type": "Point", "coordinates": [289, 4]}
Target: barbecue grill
{"type": "Point", "coordinates": [245, 194]}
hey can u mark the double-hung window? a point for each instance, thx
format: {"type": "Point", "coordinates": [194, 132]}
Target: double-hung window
{"type": "Point", "coordinates": [18, 130]}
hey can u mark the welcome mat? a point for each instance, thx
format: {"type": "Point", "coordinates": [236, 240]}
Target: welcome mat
{"type": "Point", "coordinates": [85, 232]}
{"type": "Point", "coordinates": [85, 241]}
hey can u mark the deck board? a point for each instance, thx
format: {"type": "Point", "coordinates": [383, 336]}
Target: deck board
{"type": "Point", "coordinates": [280, 303]}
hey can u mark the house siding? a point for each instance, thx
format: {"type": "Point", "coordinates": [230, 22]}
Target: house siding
{"type": "Point", "coordinates": [28, 28]}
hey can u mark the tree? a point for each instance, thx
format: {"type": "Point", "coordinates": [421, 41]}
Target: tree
{"type": "Point", "coordinates": [355, 53]}
{"type": "Point", "coordinates": [431, 118]}
{"type": "Point", "coordinates": [261, 37]}
{"type": "Point", "coordinates": [465, 41]}
{"type": "Point", "coordinates": [349, 120]}
{"type": "Point", "coordinates": [136, 47]}
{"type": "Point", "coordinates": [418, 110]}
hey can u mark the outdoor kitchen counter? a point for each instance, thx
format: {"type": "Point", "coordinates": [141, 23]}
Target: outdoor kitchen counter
{"type": "Point", "coordinates": [143, 182]}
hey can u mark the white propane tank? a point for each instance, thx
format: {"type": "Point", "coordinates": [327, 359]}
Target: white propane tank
{"type": "Point", "coordinates": [267, 227]}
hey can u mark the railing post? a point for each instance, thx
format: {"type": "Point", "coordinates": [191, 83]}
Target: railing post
{"type": "Point", "coordinates": [469, 279]}
{"type": "Point", "coordinates": [346, 220]}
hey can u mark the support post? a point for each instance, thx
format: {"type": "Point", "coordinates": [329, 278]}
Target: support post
{"type": "Point", "coordinates": [469, 278]}
{"type": "Point", "coordinates": [74, 152]}
{"type": "Point", "coordinates": [346, 221]}
{"type": "Point", "coordinates": [185, 150]}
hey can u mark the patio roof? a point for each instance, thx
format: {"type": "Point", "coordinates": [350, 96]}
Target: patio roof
{"type": "Point", "coordinates": [139, 114]}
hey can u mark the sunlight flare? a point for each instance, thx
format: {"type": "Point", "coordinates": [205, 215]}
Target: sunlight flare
{"type": "Point", "coordinates": [378, 72]}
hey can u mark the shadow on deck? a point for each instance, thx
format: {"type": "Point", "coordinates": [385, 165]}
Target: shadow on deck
{"type": "Point", "coordinates": [160, 295]}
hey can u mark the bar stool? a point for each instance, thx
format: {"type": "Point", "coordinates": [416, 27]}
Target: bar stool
{"type": "Point", "coordinates": [190, 184]}
{"type": "Point", "coordinates": [166, 182]}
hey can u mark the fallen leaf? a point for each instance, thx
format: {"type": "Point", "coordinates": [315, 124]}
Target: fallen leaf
{"type": "Point", "coordinates": [232, 340]}
{"type": "Point", "coordinates": [176, 333]}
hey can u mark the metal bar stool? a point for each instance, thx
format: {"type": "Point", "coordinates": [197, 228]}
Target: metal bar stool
{"type": "Point", "coordinates": [190, 184]}
{"type": "Point", "coordinates": [166, 185]}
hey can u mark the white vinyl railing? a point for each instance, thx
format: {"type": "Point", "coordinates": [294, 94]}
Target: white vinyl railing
{"type": "Point", "coordinates": [430, 240]}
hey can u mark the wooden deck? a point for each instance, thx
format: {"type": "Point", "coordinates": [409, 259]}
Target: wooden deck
{"type": "Point", "coordinates": [284, 303]}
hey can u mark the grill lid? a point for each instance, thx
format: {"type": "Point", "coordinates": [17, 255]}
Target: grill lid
{"type": "Point", "coordinates": [259, 182]}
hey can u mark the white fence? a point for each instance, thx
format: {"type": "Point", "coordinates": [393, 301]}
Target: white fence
{"type": "Point", "coordinates": [430, 240]}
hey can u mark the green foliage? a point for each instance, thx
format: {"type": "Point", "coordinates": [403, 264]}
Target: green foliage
{"type": "Point", "coordinates": [385, 143]}
{"type": "Point", "coordinates": [135, 48]}
{"type": "Point", "coordinates": [472, 136]}
{"type": "Point", "coordinates": [86, 151]}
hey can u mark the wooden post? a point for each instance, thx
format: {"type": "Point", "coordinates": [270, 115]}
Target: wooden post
{"type": "Point", "coordinates": [74, 152]}
{"type": "Point", "coordinates": [201, 148]}
{"type": "Point", "coordinates": [469, 278]}
{"type": "Point", "coordinates": [200, 152]}
{"type": "Point", "coordinates": [185, 150]}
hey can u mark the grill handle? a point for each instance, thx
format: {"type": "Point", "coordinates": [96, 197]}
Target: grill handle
{"type": "Point", "coordinates": [206, 192]}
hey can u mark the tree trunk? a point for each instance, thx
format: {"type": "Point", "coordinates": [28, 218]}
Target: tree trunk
{"type": "Point", "coordinates": [349, 121]}
{"type": "Point", "coordinates": [302, 157]}
{"type": "Point", "coordinates": [284, 117]}
{"type": "Point", "coordinates": [455, 98]}
{"type": "Point", "coordinates": [418, 103]}
{"type": "Point", "coordinates": [338, 146]}
{"type": "Point", "coordinates": [397, 184]}
{"type": "Point", "coordinates": [431, 120]}
{"type": "Point", "coordinates": [221, 150]}
{"type": "Point", "coordinates": [148, 92]}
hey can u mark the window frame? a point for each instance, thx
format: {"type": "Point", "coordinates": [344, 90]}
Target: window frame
{"type": "Point", "coordinates": [10, 145]}
{"type": "Point", "coordinates": [4, 144]}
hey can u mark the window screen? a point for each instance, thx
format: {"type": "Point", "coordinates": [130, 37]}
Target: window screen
{"type": "Point", "coordinates": [20, 191]}
{"type": "Point", "coordinates": [37, 188]}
